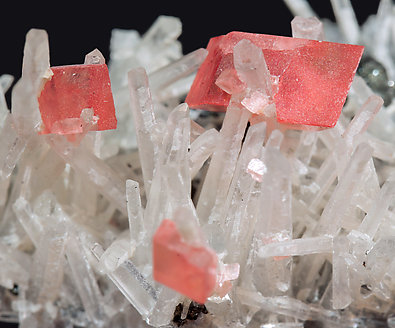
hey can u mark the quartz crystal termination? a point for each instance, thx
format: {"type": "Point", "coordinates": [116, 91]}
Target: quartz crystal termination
{"type": "Point", "coordinates": [312, 77]}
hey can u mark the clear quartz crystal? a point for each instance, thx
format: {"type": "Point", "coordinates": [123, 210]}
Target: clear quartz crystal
{"type": "Point", "coordinates": [331, 218]}
{"type": "Point", "coordinates": [138, 291]}
{"type": "Point", "coordinates": [28, 220]}
{"type": "Point", "coordinates": [117, 253]}
{"type": "Point", "coordinates": [144, 120]}
{"type": "Point", "coordinates": [222, 165]}
{"type": "Point", "coordinates": [252, 70]}
{"type": "Point", "coordinates": [242, 199]}
{"type": "Point", "coordinates": [275, 219]}
{"type": "Point", "coordinates": [34, 74]}
{"type": "Point", "coordinates": [84, 278]}
{"type": "Point", "coordinates": [346, 19]}
{"type": "Point", "coordinates": [25, 118]}
{"type": "Point", "coordinates": [307, 28]}
{"type": "Point", "coordinates": [172, 173]}
{"type": "Point", "coordinates": [98, 172]}
{"type": "Point", "coordinates": [201, 149]}
{"type": "Point", "coordinates": [183, 67]}
{"type": "Point", "coordinates": [297, 247]}
{"type": "Point", "coordinates": [135, 212]}
{"type": "Point", "coordinates": [160, 38]}
{"type": "Point", "coordinates": [340, 277]}
{"type": "Point", "coordinates": [300, 8]}
{"type": "Point", "coordinates": [373, 219]}
{"type": "Point", "coordinates": [94, 57]}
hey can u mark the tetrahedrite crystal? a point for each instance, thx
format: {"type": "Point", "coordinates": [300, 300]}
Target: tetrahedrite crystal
{"type": "Point", "coordinates": [313, 77]}
{"type": "Point", "coordinates": [72, 89]}
{"type": "Point", "coordinates": [189, 269]}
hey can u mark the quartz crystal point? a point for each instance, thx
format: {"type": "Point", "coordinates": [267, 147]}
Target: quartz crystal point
{"type": "Point", "coordinates": [181, 68]}
{"type": "Point", "coordinates": [73, 88]}
{"type": "Point", "coordinates": [135, 212]}
{"type": "Point", "coordinates": [307, 28]}
{"type": "Point", "coordinates": [171, 183]}
{"type": "Point", "coordinates": [313, 77]}
{"type": "Point", "coordinates": [132, 284]}
{"type": "Point", "coordinates": [297, 247]}
{"type": "Point", "coordinates": [153, 51]}
{"type": "Point", "coordinates": [340, 276]}
{"type": "Point", "coordinates": [17, 128]}
{"type": "Point", "coordinates": [98, 172]}
{"type": "Point", "coordinates": [144, 121]}
{"type": "Point", "coordinates": [252, 70]}
{"type": "Point", "coordinates": [158, 39]}
{"type": "Point", "coordinates": [300, 8]}
{"type": "Point", "coordinates": [274, 221]}
{"type": "Point", "coordinates": [47, 270]}
{"type": "Point", "coordinates": [346, 19]}
{"type": "Point", "coordinates": [288, 306]}
{"type": "Point", "coordinates": [191, 270]}
{"type": "Point", "coordinates": [201, 149]}
{"type": "Point", "coordinates": [35, 73]}
{"type": "Point", "coordinates": [84, 278]}
{"type": "Point", "coordinates": [375, 216]}
{"type": "Point", "coordinates": [242, 198]}
{"type": "Point", "coordinates": [210, 205]}
{"type": "Point", "coordinates": [117, 253]}
{"type": "Point", "coordinates": [335, 211]}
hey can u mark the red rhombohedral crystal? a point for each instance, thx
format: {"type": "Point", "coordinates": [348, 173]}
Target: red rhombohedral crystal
{"type": "Point", "coordinates": [314, 77]}
{"type": "Point", "coordinates": [188, 269]}
{"type": "Point", "coordinates": [70, 90]}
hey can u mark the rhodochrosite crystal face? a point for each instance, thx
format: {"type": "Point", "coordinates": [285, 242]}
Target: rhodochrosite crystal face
{"type": "Point", "coordinates": [72, 89]}
{"type": "Point", "coordinates": [313, 77]}
{"type": "Point", "coordinates": [189, 269]}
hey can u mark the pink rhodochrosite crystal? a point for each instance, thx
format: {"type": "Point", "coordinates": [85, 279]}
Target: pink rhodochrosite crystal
{"type": "Point", "coordinates": [188, 269]}
{"type": "Point", "coordinates": [313, 76]}
{"type": "Point", "coordinates": [72, 89]}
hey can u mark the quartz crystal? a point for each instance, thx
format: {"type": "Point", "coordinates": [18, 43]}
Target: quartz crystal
{"type": "Point", "coordinates": [313, 77]}
{"type": "Point", "coordinates": [277, 210]}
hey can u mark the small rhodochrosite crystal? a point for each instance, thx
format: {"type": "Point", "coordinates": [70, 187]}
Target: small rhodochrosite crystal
{"type": "Point", "coordinates": [70, 90]}
{"type": "Point", "coordinates": [313, 76]}
{"type": "Point", "coordinates": [188, 269]}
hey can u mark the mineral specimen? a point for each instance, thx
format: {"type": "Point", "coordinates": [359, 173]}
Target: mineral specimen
{"type": "Point", "coordinates": [268, 225]}
{"type": "Point", "coordinates": [312, 78]}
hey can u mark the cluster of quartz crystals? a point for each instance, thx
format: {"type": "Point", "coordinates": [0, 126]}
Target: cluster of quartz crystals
{"type": "Point", "coordinates": [302, 223]}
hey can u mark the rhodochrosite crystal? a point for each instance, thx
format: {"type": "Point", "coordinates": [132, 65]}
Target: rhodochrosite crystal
{"type": "Point", "coordinates": [313, 77]}
{"type": "Point", "coordinates": [189, 269]}
{"type": "Point", "coordinates": [70, 90]}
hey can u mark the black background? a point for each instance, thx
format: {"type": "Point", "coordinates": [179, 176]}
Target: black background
{"type": "Point", "coordinates": [75, 29]}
